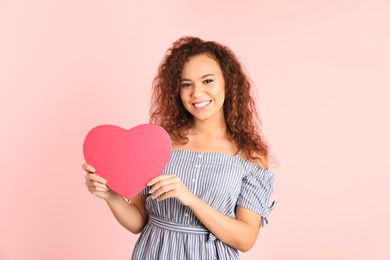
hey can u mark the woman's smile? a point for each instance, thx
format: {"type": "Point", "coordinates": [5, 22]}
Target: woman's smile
{"type": "Point", "coordinates": [201, 105]}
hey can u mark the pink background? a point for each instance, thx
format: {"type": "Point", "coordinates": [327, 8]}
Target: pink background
{"type": "Point", "coordinates": [322, 74]}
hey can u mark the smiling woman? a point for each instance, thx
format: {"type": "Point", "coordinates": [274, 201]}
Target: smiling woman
{"type": "Point", "coordinates": [203, 88]}
{"type": "Point", "coordinates": [214, 194]}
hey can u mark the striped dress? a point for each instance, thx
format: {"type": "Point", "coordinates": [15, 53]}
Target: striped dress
{"type": "Point", "coordinates": [223, 181]}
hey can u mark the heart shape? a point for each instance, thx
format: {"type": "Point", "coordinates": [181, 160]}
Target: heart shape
{"type": "Point", "coordinates": [127, 159]}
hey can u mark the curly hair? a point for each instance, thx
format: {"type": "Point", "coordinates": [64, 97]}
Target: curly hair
{"type": "Point", "coordinates": [241, 117]}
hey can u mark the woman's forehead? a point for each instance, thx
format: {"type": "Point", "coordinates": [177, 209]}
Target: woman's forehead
{"type": "Point", "coordinates": [200, 65]}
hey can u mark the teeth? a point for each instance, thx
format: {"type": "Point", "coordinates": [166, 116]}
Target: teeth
{"type": "Point", "coordinates": [200, 105]}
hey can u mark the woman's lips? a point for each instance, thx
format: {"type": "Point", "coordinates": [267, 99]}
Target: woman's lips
{"type": "Point", "coordinates": [201, 105]}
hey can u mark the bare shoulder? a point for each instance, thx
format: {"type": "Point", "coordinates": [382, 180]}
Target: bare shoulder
{"type": "Point", "coordinates": [261, 160]}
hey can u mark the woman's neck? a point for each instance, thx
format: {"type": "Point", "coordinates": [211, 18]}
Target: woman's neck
{"type": "Point", "coordinates": [208, 137]}
{"type": "Point", "coordinates": [208, 128]}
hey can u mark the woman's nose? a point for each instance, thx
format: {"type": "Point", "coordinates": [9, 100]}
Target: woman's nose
{"type": "Point", "coordinates": [198, 91]}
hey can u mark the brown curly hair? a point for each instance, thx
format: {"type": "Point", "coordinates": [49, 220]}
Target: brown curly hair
{"type": "Point", "coordinates": [241, 117]}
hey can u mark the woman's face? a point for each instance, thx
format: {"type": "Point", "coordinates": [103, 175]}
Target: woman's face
{"type": "Point", "coordinates": [202, 88]}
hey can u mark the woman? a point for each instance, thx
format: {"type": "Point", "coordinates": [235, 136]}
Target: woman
{"type": "Point", "coordinates": [211, 198]}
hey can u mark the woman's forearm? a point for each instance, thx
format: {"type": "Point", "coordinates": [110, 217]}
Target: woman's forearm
{"type": "Point", "coordinates": [131, 215]}
{"type": "Point", "coordinates": [237, 233]}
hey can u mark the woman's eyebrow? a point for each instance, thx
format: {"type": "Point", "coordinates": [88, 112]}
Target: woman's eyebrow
{"type": "Point", "coordinates": [202, 77]}
{"type": "Point", "coordinates": [205, 76]}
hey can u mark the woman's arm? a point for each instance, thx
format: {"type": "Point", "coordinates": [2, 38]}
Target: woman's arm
{"type": "Point", "coordinates": [131, 216]}
{"type": "Point", "coordinates": [240, 233]}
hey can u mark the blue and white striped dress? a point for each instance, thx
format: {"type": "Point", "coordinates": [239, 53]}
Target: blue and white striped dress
{"type": "Point", "coordinates": [223, 181]}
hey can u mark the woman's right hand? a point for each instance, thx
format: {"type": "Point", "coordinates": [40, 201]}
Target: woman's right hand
{"type": "Point", "coordinates": [96, 184]}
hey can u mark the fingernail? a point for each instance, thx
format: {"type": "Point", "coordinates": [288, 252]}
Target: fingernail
{"type": "Point", "coordinates": [148, 184]}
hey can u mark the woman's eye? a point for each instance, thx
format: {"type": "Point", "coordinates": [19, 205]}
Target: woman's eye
{"type": "Point", "coordinates": [207, 81]}
{"type": "Point", "coordinates": [185, 85]}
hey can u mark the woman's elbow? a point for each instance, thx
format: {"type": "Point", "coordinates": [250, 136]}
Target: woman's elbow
{"type": "Point", "coordinates": [246, 244]}
{"type": "Point", "coordinates": [245, 248]}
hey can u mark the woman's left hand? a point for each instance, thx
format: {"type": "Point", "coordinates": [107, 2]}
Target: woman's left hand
{"type": "Point", "coordinates": [170, 186]}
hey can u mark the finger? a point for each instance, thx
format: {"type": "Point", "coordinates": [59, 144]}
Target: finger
{"type": "Point", "coordinates": [95, 177]}
{"type": "Point", "coordinates": [95, 184]}
{"type": "Point", "coordinates": [162, 183]}
{"type": "Point", "coordinates": [164, 189]}
{"type": "Point", "coordinates": [88, 168]}
{"type": "Point", "coordinates": [165, 196]}
{"type": "Point", "coordinates": [159, 178]}
{"type": "Point", "coordinates": [90, 183]}
{"type": "Point", "coordinates": [93, 189]}
{"type": "Point", "coordinates": [102, 188]}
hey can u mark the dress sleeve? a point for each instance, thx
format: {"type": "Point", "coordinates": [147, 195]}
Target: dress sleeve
{"type": "Point", "coordinates": [256, 191]}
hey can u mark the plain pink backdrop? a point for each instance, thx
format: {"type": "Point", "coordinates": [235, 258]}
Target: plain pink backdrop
{"type": "Point", "coordinates": [321, 69]}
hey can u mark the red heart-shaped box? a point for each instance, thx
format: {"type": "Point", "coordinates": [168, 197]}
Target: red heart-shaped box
{"type": "Point", "coordinates": [127, 159]}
